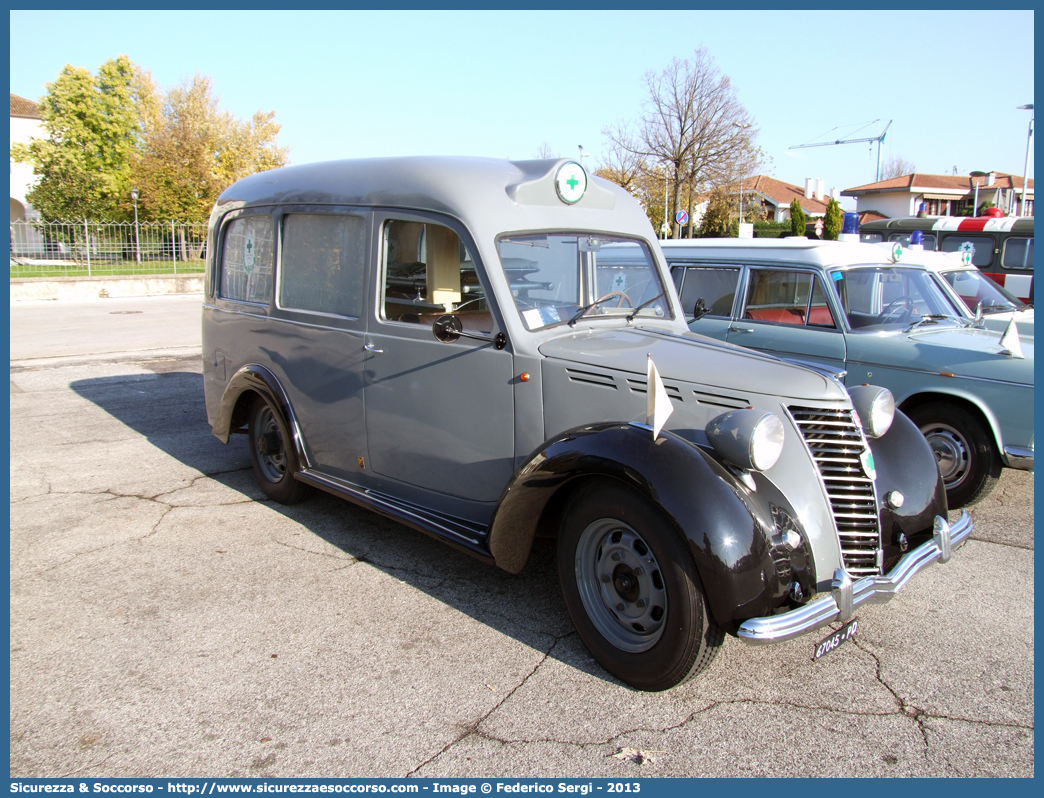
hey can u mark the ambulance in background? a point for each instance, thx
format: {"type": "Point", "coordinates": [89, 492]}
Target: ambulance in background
{"type": "Point", "coordinates": [1000, 246]}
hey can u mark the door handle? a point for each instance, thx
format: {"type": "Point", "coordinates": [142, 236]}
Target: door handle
{"type": "Point", "coordinates": [734, 328]}
{"type": "Point", "coordinates": [371, 348]}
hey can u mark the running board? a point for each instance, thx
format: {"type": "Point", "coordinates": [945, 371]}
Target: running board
{"type": "Point", "coordinates": [462, 535]}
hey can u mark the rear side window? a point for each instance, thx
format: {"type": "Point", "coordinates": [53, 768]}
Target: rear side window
{"type": "Point", "coordinates": [715, 286]}
{"type": "Point", "coordinates": [322, 263]}
{"type": "Point", "coordinates": [871, 238]}
{"type": "Point", "coordinates": [246, 260]}
{"type": "Point", "coordinates": [981, 247]}
{"type": "Point", "coordinates": [1018, 253]}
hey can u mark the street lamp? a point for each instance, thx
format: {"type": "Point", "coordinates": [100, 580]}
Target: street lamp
{"type": "Point", "coordinates": [137, 244]}
{"type": "Point", "coordinates": [738, 126]}
{"type": "Point", "coordinates": [1025, 168]}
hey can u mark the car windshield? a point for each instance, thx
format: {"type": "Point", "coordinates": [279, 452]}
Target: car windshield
{"type": "Point", "coordinates": [878, 298]}
{"type": "Point", "coordinates": [973, 287]}
{"type": "Point", "coordinates": [559, 278]}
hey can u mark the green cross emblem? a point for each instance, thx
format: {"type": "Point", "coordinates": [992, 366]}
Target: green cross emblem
{"type": "Point", "coordinates": [572, 182]}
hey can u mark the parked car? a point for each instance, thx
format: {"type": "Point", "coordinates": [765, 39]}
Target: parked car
{"type": "Point", "coordinates": [1000, 246]}
{"type": "Point", "coordinates": [475, 347]}
{"type": "Point", "coordinates": [981, 299]}
{"type": "Point", "coordinates": [853, 309]}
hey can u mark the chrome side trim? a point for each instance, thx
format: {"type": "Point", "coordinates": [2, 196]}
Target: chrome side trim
{"type": "Point", "coordinates": [874, 589]}
{"type": "Point", "coordinates": [1018, 457]}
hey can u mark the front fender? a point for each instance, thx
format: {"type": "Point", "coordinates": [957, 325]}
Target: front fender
{"type": "Point", "coordinates": [904, 463]}
{"type": "Point", "coordinates": [727, 527]}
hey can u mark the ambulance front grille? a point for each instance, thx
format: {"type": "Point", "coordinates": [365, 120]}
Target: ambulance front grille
{"type": "Point", "coordinates": [836, 443]}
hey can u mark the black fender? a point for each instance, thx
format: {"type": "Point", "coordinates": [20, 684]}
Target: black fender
{"type": "Point", "coordinates": [729, 528]}
{"type": "Point", "coordinates": [904, 462]}
{"type": "Point", "coordinates": [260, 380]}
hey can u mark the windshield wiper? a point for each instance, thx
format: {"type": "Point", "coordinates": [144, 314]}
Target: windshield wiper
{"type": "Point", "coordinates": [577, 316]}
{"type": "Point", "coordinates": [931, 318]}
{"type": "Point", "coordinates": [645, 304]}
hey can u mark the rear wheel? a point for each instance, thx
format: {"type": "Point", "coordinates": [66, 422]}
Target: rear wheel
{"type": "Point", "coordinates": [274, 461]}
{"type": "Point", "coordinates": [963, 448]}
{"type": "Point", "coordinates": [632, 590]}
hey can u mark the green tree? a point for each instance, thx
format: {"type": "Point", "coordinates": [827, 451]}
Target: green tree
{"type": "Point", "coordinates": [833, 220]}
{"type": "Point", "coordinates": [797, 218]}
{"type": "Point", "coordinates": [717, 218]}
{"type": "Point", "coordinates": [94, 128]}
{"type": "Point", "coordinates": [195, 151]}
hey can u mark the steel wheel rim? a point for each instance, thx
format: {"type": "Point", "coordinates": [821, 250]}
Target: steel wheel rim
{"type": "Point", "coordinates": [952, 453]}
{"type": "Point", "coordinates": [621, 585]}
{"type": "Point", "coordinates": [273, 464]}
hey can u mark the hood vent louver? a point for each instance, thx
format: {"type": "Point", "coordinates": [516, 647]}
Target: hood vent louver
{"type": "Point", "coordinates": [591, 378]}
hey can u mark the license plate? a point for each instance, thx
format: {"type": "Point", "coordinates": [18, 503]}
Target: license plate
{"type": "Point", "coordinates": [834, 640]}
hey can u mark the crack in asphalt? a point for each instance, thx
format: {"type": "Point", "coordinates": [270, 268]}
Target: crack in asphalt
{"type": "Point", "coordinates": [473, 727]}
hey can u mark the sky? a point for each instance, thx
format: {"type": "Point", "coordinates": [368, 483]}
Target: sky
{"type": "Point", "coordinates": [346, 84]}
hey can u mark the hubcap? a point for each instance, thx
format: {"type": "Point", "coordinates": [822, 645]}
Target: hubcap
{"type": "Point", "coordinates": [271, 453]}
{"type": "Point", "coordinates": [621, 585]}
{"type": "Point", "coordinates": [951, 451]}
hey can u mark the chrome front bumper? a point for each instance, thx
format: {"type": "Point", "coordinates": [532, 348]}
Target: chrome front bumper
{"type": "Point", "coordinates": [845, 595]}
{"type": "Point", "coordinates": [1017, 457]}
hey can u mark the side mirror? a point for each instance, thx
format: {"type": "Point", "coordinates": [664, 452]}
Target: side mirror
{"type": "Point", "coordinates": [447, 329]}
{"type": "Point", "coordinates": [700, 310]}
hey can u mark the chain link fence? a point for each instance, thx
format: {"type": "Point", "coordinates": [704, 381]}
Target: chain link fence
{"type": "Point", "coordinates": [91, 249]}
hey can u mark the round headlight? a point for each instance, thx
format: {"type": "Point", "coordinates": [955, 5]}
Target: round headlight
{"type": "Point", "coordinates": [875, 408]}
{"type": "Point", "coordinates": [750, 439]}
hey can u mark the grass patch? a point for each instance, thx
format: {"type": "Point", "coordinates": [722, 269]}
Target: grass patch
{"type": "Point", "coordinates": [43, 271]}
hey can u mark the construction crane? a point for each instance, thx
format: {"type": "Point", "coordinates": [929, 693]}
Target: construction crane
{"type": "Point", "coordinates": [878, 139]}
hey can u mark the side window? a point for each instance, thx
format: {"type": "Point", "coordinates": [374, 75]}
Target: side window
{"type": "Point", "coordinates": [246, 260]}
{"type": "Point", "coordinates": [322, 263]}
{"type": "Point", "coordinates": [715, 286]}
{"type": "Point", "coordinates": [778, 296]}
{"type": "Point", "coordinates": [1018, 253]}
{"type": "Point", "coordinates": [428, 272]}
{"type": "Point", "coordinates": [981, 247]}
{"type": "Point", "coordinates": [819, 314]}
{"type": "Point", "coordinates": [871, 238]}
{"type": "Point", "coordinates": [904, 239]}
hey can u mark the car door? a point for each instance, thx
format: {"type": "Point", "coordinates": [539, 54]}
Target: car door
{"type": "Point", "coordinates": [712, 288]}
{"type": "Point", "coordinates": [785, 312]}
{"type": "Point", "coordinates": [439, 416]}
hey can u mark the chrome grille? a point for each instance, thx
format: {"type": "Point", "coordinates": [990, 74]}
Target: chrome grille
{"type": "Point", "coordinates": [836, 442]}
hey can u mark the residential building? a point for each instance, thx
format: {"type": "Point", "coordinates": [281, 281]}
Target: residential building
{"type": "Point", "coordinates": [941, 195]}
{"type": "Point", "coordinates": [775, 197]}
{"type": "Point", "coordinates": [26, 124]}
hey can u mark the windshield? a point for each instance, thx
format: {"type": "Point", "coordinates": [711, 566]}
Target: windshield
{"type": "Point", "coordinates": [973, 287]}
{"type": "Point", "coordinates": [877, 298]}
{"type": "Point", "coordinates": [559, 278]}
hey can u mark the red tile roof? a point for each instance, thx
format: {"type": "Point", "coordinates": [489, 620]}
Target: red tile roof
{"type": "Point", "coordinates": [782, 193]}
{"type": "Point", "coordinates": [24, 108]}
{"type": "Point", "coordinates": [870, 216]}
{"type": "Point", "coordinates": [914, 182]}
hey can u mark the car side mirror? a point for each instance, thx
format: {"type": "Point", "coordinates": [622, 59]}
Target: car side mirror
{"type": "Point", "coordinates": [699, 310]}
{"type": "Point", "coordinates": [447, 329]}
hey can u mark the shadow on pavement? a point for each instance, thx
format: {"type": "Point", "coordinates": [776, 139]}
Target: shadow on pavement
{"type": "Point", "coordinates": [166, 407]}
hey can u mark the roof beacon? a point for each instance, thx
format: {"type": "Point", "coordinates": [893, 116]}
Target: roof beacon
{"type": "Point", "coordinates": [850, 228]}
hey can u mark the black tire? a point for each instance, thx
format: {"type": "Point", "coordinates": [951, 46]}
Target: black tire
{"type": "Point", "coordinates": [964, 450]}
{"type": "Point", "coordinates": [275, 463]}
{"type": "Point", "coordinates": [651, 646]}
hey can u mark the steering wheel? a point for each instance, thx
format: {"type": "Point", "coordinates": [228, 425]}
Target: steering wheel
{"type": "Point", "coordinates": [892, 310]}
{"type": "Point", "coordinates": [622, 296]}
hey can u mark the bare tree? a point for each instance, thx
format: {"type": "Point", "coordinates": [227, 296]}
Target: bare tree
{"type": "Point", "coordinates": [623, 164]}
{"type": "Point", "coordinates": [691, 124]}
{"type": "Point", "coordinates": [544, 151]}
{"type": "Point", "coordinates": [897, 166]}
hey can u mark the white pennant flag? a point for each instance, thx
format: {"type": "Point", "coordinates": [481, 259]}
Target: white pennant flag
{"type": "Point", "coordinates": [658, 407]}
{"type": "Point", "coordinates": [1010, 341]}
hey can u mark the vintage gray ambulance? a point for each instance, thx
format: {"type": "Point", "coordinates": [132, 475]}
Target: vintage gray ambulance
{"type": "Point", "coordinates": [493, 351]}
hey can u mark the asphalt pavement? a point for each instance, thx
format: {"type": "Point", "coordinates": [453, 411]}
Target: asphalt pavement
{"type": "Point", "coordinates": [167, 620]}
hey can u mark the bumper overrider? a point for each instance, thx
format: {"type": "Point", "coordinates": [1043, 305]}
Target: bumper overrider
{"type": "Point", "coordinates": [845, 594]}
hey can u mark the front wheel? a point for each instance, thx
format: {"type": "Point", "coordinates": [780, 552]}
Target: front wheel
{"type": "Point", "coordinates": [964, 450]}
{"type": "Point", "coordinates": [632, 590]}
{"type": "Point", "coordinates": [274, 460]}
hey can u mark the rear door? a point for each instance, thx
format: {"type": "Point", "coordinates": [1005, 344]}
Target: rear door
{"type": "Point", "coordinates": [786, 313]}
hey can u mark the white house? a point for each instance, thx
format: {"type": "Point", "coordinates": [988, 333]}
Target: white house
{"type": "Point", "coordinates": [26, 124]}
{"type": "Point", "coordinates": [942, 195]}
